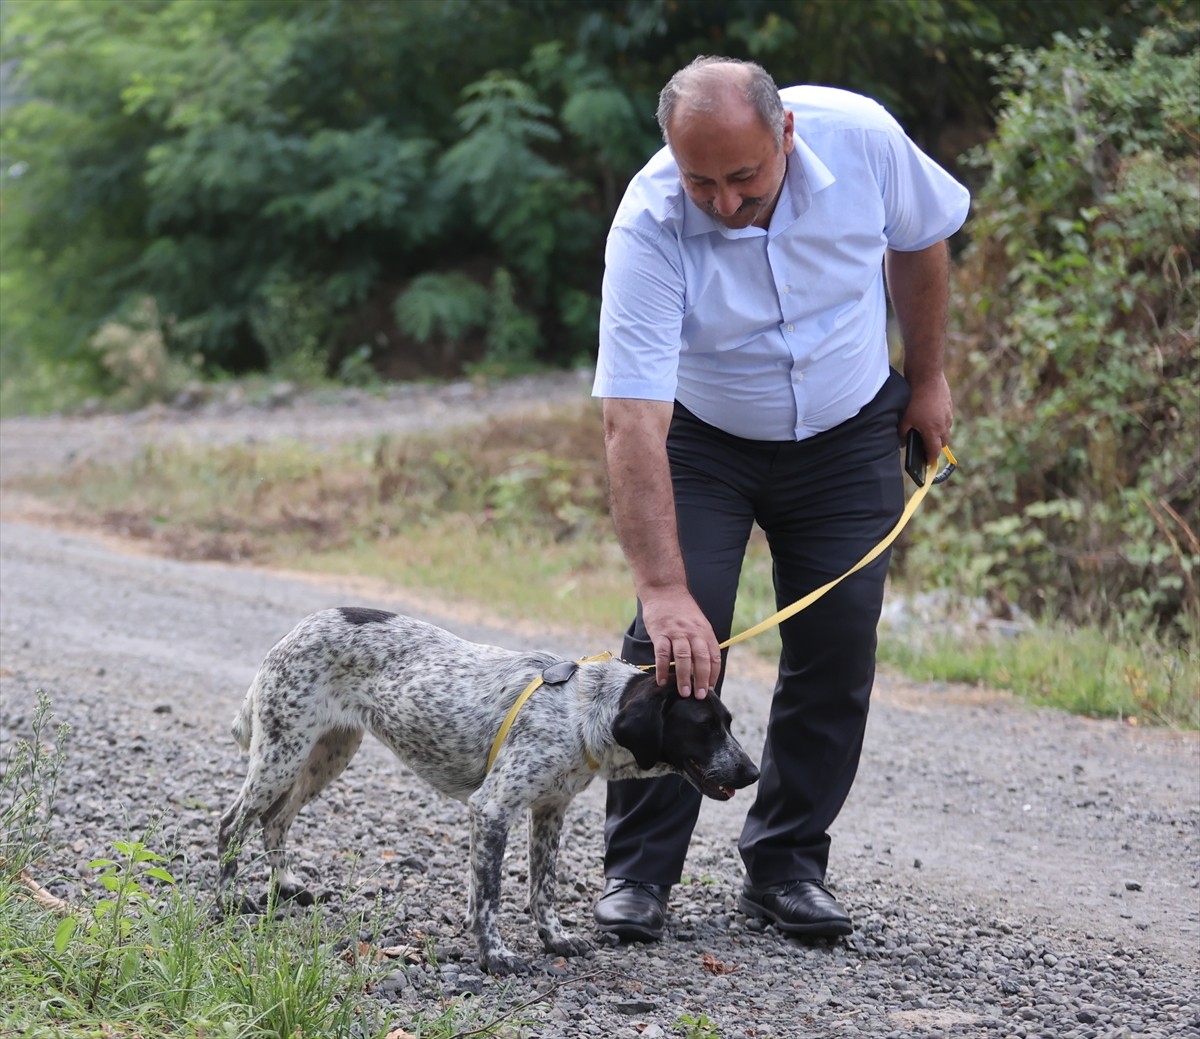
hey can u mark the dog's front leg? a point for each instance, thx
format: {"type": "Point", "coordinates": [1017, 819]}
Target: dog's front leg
{"type": "Point", "coordinates": [490, 823]}
{"type": "Point", "coordinates": [545, 830]}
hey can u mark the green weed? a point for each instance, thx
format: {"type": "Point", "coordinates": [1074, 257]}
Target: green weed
{"type": "Point", "coordinates": [696, 1027]}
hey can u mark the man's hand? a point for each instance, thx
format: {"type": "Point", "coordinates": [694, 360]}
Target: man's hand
{"type": "Point", "coordinates": [680, 632]}
{"type": "Point", "coordinates": [931, 413]}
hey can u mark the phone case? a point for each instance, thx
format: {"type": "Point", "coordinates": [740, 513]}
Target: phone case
{"type": "Point", "coordinates": [915, 462]}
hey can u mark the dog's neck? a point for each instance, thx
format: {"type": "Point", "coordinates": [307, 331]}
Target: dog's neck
{"type": "Point", "coordinates": [593, 684]}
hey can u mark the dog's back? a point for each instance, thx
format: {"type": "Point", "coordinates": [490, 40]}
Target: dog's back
{"type": "Point", "coordinates": [434, 699]}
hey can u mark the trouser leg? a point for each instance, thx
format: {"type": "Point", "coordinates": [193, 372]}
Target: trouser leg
{"type": "Point", "coordinates": [649, 821]}
{"type": "Point", "coordinates": [819, 709]}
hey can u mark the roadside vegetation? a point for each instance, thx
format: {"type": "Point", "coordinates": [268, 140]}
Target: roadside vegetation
{"type": "Point", "coordinates": [512, 515]}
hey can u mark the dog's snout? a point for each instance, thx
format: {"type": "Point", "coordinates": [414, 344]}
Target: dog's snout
{"type": "Point", "coordinates": [747, 775]}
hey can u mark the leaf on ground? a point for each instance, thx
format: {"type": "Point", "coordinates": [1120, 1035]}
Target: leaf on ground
{"type": "Point", "coordinates": [714, 966]}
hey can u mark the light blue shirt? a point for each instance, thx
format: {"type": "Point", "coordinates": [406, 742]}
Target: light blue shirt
{"type": "Point", "coordinates": [774, 334]}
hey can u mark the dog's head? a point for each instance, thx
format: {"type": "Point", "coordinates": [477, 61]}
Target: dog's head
{"type": "Point", "coordinates": [666, 732]}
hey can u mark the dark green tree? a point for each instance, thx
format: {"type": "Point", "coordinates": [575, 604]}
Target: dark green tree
{"type": "Point", "coordinates": [256, 181]}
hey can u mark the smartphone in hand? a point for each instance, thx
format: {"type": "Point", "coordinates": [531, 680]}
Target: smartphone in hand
{"type": "Point", "coordinates": [915, 461]}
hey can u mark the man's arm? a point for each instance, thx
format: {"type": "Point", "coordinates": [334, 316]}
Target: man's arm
{"type": "Point", "coordinates": [919, 286]}
{"type": "Point", "coordinates": [643, 511]}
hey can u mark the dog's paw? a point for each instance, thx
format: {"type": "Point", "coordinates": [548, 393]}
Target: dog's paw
{"type": "Point", "coordinates": [567, 945]}
{"type": "Point", "coordinates": [295, 893]}
{"type": "Point", "coordinates": [499, 962]}
{"type": "Point", "coordinates": [243, 905]}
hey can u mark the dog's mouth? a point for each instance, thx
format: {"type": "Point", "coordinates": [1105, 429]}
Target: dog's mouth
{"type": "Point", "coordinates": [705, 785]}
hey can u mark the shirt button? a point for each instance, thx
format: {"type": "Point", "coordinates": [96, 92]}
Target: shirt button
{"type": "Point", "coordinates": [798, 375]}
{"type": "Point", "coordinates": [787, 288]}
{"type": "Point", "coordinates": [791, 328]}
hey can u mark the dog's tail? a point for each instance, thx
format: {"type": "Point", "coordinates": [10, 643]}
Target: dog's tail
{"type": "Point", "coordinates": [243, 724]}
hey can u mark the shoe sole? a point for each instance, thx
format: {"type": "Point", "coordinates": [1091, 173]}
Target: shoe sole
{"type": "Point", "coordinates": [631, 932]}
{"type": "Point", "coordinates": [817, 929]}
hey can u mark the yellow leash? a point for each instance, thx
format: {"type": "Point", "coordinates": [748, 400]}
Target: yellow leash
{"type": "Point", "coordinates": [520, 702]}
{"type": "Point", "coordinates": [932, 476]}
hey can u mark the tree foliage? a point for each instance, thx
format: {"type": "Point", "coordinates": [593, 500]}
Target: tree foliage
{"type": "Point", "coordinates": [1077, 370]}
{"type": "Point", "coordinates": [224, 157]}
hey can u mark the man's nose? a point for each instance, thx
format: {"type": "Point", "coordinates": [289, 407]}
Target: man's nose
{"type": "Point", "coordinates": [727, 202]}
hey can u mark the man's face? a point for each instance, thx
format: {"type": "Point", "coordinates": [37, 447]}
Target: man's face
{"type": "Point", "coordinates": [729, 164]}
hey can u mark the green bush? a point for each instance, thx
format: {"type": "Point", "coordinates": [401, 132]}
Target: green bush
{"type": "Point", "coordinates": [1075, 359]}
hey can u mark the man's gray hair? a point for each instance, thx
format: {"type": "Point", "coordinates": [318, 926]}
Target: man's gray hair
{"type": "Point", "coordinates": [698, 85]}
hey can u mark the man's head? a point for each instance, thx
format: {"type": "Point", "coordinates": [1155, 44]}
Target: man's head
{"type": "Point", "coordinates": [730, 135]}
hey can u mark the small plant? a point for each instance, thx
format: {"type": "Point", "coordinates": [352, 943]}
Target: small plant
{"type": "Point", "coordinates": [28, 785]}
{"type": "Point", "coordinates": [697, 1027]}
{"type": "Point", "coordinates": [110, 921]}
{"type": "Point", "coordinates": [291, 321]}
{"type": "Point", "coordinates": [446, 309]}
{"type": "Point", "coordinates": [355, 369]}
{"type": "Point", "coordinates": [133, 352]}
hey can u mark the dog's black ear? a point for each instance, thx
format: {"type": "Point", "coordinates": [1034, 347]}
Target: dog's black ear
{"type": "Point", "coordinates": [638, 726]}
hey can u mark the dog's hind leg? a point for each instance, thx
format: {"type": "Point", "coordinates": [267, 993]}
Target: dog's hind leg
{"type": "Point", "coordinates": [229, 839]}
{"type": "Point", "coordinates": [326, 761]}
{"type": "Point", "coordinates": [545, 829]}
{"type": "Point", "coordinates": [270, 776]}
{"type": "Point", "coordinates": [237, 821]}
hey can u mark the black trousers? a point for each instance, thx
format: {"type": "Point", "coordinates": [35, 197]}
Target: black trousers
{"type": "Point", "coordinates": [822, 503]}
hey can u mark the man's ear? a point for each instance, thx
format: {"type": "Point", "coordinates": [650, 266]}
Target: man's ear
{"type": "Point", "coordinates": [638, 726]}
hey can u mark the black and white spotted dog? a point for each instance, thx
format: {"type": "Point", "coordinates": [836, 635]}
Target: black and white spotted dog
{"type": "Point", "coordinates": [438, 702]}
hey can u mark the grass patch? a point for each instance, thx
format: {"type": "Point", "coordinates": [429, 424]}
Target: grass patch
{"type": "Point", "coordinates": [579, 585]}
{"type": "Point", "coordinates": [512, 514]}
{"type": "Point", "coordinates": [139, 953]}
{"type": "Point", "coordinates": [1082, 670]}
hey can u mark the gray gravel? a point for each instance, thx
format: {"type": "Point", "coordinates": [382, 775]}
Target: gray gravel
{"type": "Point", "coordinates": [1011, 872]}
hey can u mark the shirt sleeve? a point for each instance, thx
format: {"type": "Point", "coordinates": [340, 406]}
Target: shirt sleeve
{"type": "Point", "coordinates": [641, 317]}
{"type": "Point", "coordinates": [922, 202]}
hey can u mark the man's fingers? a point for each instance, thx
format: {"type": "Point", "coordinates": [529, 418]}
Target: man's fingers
{"type": "Point", "coordinates": [663, 656]}
{"type": "Point", "coordinates": [702, 672]}
{"type": "Point", "coordinates": [705, 668]}
{"type": "Point", "coordinates": [683, 667]}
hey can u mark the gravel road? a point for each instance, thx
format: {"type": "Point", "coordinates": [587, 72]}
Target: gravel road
{"type": "Point", "coordinates": [1012, 872]}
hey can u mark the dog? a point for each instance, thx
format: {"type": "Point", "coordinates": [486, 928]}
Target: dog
{"type": "Point", "coordinates": [438, 703]}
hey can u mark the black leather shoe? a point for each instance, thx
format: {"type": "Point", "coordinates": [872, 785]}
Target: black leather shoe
{"type": "Point", "coordinates": [632, 910]}
{"type": "Point", "coordinates": [802, 907]}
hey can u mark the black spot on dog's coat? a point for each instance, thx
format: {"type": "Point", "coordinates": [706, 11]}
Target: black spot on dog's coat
{"type": "Point", "coordinates": [363, 615]}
